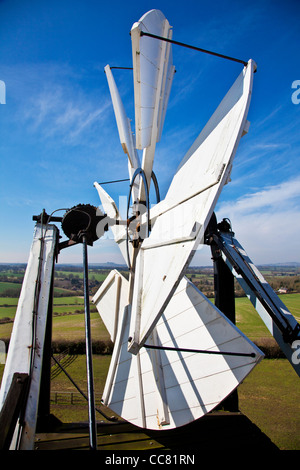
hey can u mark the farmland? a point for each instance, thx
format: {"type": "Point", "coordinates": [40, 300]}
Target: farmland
{"type": "Point", "coordinates": [68, 303]}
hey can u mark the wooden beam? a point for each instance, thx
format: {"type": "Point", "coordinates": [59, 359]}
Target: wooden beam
{"type": "Point", "coordinates": [11, 409]}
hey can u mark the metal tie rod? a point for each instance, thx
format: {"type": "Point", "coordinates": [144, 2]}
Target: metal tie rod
{"type": "Point", "coordinates": [201, 351]}
{"type": "Point", "coordinates": [122, 68]}
{"type": "Point", "coordinates": [89, 361]}
{"type": "Point", "coordinates": [143, 33]}
{"type": "Point", "coordinates": [114, 181]}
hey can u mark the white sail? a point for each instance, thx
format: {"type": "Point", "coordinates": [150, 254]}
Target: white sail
{"type": "Point", "coordinates": [187, 209]}
{"type": "Point", "coordinates": [153, 74]}
{"type": "Point", "coordinates": [164, 389]}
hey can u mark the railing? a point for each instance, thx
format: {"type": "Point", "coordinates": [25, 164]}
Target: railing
{"type": "Point", "coordinates": [71, 398]}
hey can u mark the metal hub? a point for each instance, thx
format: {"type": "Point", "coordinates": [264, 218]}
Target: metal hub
{"type": "Point", "coordinates": [84, 219]}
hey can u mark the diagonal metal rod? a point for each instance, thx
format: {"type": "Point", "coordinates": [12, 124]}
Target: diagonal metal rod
{"type": "Point", "coordinates": [114, 181]}
{"type": "Point", "coordinates": [89, 362]}
{"type": "Point", "coordinates": [122, 68]}
{"type": "Point", "coordinates": [143, 33]}
{"type": "Point", "coordinates": [201, 351]}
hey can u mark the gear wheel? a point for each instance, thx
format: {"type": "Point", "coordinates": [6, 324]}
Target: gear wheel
{"type": "Point", "coordinates": [84, 219]}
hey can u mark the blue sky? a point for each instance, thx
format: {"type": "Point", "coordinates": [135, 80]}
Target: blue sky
{"type": "Point", "coordinates": [58, 132]}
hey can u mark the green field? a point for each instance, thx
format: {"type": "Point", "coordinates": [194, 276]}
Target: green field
{"type": "Point", "coordinates": [11, 286]}
{"type": "Point", "coordinates": [69, 324]}
{"type": "Point", "coordinates": [10, 290]}
{"type": "Point", "coordinates": [248, 320]}
{"type": "Point", "coordinates": [93, 275]}
{"type": "Point", "coordinates": [61, 305]}
{"type": "Point", "coordinates": [72, 328]}
{"type": "Point", "coordinates": [269, 396]}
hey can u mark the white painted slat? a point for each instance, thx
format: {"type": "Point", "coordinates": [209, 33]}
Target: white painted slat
{"type": "Point", "coordinates": [110, 300]}
{"type": "Point", "coordinates": [123, 123]}
{"type": "Point", "coordinates": [118, 365]}
{"type": "Point", "coordinates": [169, 71]}
{"type": "Point", "coordinates": [119, 231]}
{"type": "Point", "coordinates": [127, 138]}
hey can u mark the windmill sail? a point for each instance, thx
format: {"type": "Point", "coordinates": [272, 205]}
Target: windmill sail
{"type": "Point", "coordinates": [187, 209]}
{"type": "Point", "coordinates": [162, 389]}
{"type": "Point", "coordinates": [153, 73]}
{"type": "Point", "coordinates": [148, 383]}
{"type": "Point", "coordinates": [124, 128]}
{"type": "Point", "coordinates": [123, 122]}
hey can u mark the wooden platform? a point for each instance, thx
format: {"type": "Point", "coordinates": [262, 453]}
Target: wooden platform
{"type": "Point", "coordinates": [217, 430]}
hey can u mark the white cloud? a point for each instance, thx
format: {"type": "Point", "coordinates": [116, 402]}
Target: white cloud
{"type": "Point", "coordinates": [272, 197]}
{"type": "Point", "coordinates": [53, 101]}
{"type": "Point", "coordinates": [267, 222]}
{"type": "Point", "coordinates": [63, 113]}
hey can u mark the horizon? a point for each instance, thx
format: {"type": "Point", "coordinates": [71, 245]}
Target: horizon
{"type": "Point", "coordinates": [109, 263]}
